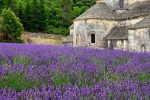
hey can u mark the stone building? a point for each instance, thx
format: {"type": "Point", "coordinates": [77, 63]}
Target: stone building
{"type": "Point", "coordinates": [113, 24]}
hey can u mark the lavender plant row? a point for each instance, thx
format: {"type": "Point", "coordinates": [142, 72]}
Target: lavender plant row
{"type": "Point", "coordinates": [43, 72]}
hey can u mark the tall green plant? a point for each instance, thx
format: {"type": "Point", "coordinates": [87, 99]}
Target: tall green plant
{"type": "Point", "coordinates": [11, 26]}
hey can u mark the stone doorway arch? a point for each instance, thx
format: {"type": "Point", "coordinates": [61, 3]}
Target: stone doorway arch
{"type": "Point", "coordinates": [112, 44]}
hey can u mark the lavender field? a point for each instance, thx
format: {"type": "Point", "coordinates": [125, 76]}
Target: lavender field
{"type": "Point", "coordinates": [42, 72]}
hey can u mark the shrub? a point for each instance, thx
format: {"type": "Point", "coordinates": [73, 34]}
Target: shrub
{"type": "Point", "coordinates": [11, 26]}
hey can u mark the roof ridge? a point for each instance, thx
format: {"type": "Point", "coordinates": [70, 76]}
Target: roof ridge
{"type": "Point", "coordinates": [99, 10]}
{"type": "Point", "coordinates": [104, 11]}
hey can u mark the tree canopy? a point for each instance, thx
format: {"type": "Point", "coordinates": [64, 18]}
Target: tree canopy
{"type": "Point", "coordinates": [11, 26]}
{"type": "Point", "coordinates": [48, 16]}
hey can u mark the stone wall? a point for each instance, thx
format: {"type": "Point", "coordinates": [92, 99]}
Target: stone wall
{"type": "Point", "coordinates": [71, 31]}
{"type": "Point", "coordinates": [139, 38]}
{"type": "Point", "coordinates": [39, 38]}
{"type": "Point", "coordinates": [41, 35]}
{"type": "Point", "coordinates": [45, 41]}
{"type": "Point", "coordinates": [131, 21]}
{"type": "Point", "coordinates": [130, 2]}
{"type": "Point", "coordinates": [118, 44]}
{"type": "Point", "coordinates": [84, 29]}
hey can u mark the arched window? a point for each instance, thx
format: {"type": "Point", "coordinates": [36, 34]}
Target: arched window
{"type": "Point", "coordinates": [77, 38]}
{"type": "Point", "coordinates": [143, 48]}
{"type": "Point", "coordinates": [121, 3]}
{"type": "Point", "coordinates": [92, 38]}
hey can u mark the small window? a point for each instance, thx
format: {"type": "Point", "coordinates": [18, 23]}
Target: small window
{"type": "Point", "coordinates": [77, 39]}
{"type": "Point", "coordinates": [143, 48]}
{"type": "Point", "coordinates": [121, 3]}
{"type": "Point", "coordinates": [92, 38]}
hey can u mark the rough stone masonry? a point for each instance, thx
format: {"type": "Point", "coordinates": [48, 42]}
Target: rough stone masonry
{"type": "Point", "coordinates": [113, 24]}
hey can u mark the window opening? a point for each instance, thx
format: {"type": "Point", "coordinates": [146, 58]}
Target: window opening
{"type": "Point", "coordinates": [92, 38]}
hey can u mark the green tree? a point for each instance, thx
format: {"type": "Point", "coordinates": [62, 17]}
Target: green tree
{"type": "Point", "coordinates": [27, 16]}
{"type": "Point", "coordinates": [2, 5]}
{"type": "Point", "coordinates": [56, 23]}
{"type": "Point", "coordinates": [35, 17]}
{"type": "Point", "coordinates": [12, 4]}
{"type": "Point", "coordinates": [11, 26]}
{"type": "Point", "coordinates": [20, 11]}
{"type": "Point", "coordinates": [66, 6]}
{"type": "Point", "coordinates": [81, 3]}
{"type": "Point", "coordinates": [43, 16]}
{"type": "Point", "coordinates": [76, 11]}
{"type": "Point", "coordinates": [51, 16]}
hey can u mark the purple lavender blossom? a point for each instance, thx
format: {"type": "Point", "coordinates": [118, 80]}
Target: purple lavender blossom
{"type": "Point", "coordinates": [43, 72]}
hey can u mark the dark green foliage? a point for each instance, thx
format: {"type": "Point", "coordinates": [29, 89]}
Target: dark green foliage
{"type": "Point", "coordinates": [43, 18]}
{"type": "Point", "coordinates": [60, 80]}
{"type": "Point", "coordinates": [18, 82]}
{"type": "Point", "coordinates": [27, 16]}
{"type": "Point", "coordinates": [17, 40]}
{"type": "Point", "coordinates": [35, 16]}
{"type": "Point", "coordinates": [10, 25]}
{"type": "Point", "coordinates": [20, 11]}
{"type": "Point", "coordinates": [48, 16]}
{"type": "Point", "coordinates": [22, 60]}
{"type": "Point", "coordinates": [144, 77]}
